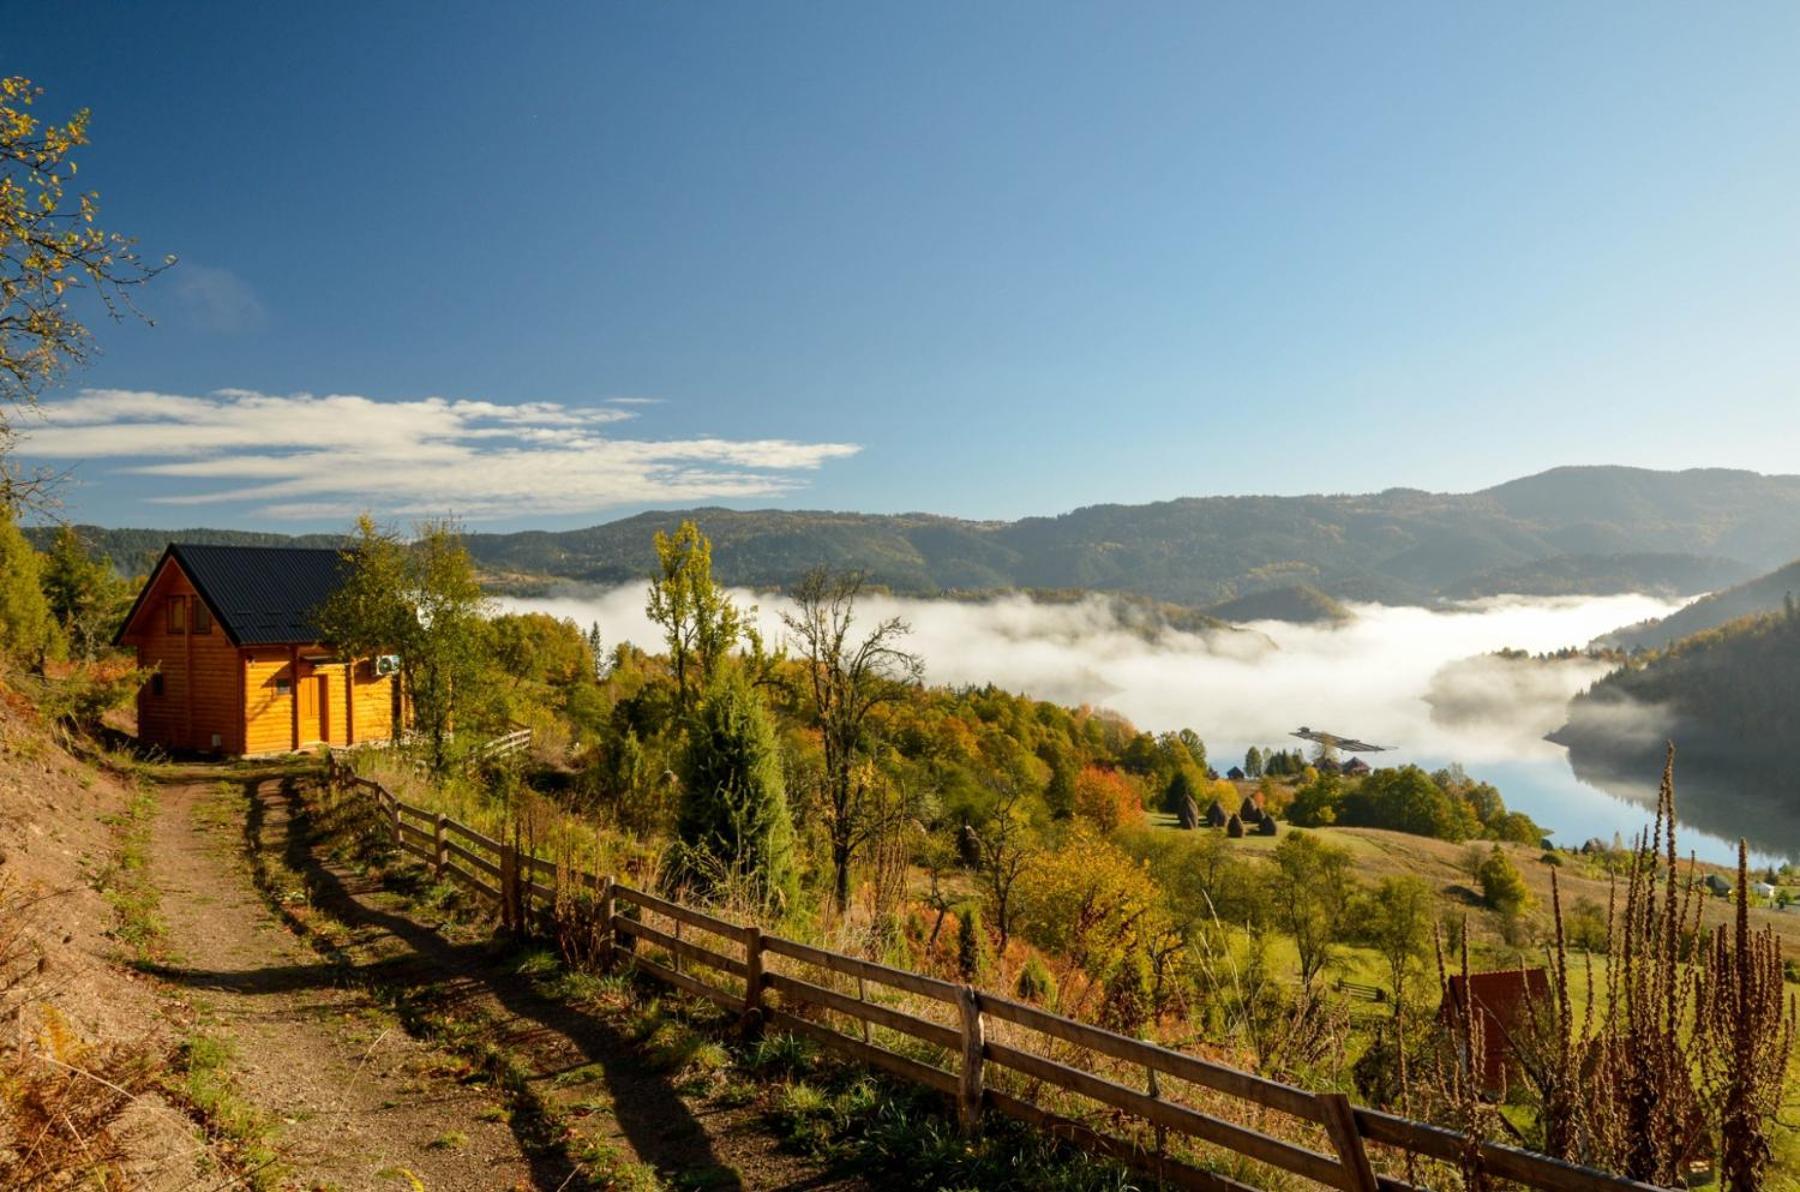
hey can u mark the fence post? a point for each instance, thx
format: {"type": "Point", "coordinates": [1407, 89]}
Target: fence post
{"type": "Point", "coordinates": [394, 807]}
{"type": "Point", "coordinates": [753, 981]}
{"type": "Point", "coordinates": [1340, 1123]}
{"type": "Point", "coordinates": [968, 1101]}
{"type": "Point", "coordinates": [440, 851]}
{"type": "Point", "coordinates": [605, 902]}
{"type": "Point", "coordinates": [509, 887]}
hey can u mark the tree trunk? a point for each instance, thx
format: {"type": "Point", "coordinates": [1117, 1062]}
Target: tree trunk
{"type": "Point", "coordinates": [840, 862]}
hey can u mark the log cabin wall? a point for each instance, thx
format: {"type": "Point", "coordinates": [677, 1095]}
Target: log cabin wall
{"type": "Point", "coordinates": [247, 682]}
{"type": "Point", "coordinates": [191, 702]}
{"type": "Point", "coordinates": [268, 700]}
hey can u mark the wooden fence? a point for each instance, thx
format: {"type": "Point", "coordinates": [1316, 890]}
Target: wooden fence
{"type": "Point", "coordinates": [983, 1051]}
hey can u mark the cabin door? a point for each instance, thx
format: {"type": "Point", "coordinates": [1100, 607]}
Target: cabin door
{"type": "Point", "coordinates": [315, 710]}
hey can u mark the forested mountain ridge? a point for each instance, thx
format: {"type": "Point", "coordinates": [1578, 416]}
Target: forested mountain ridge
{"type": "Point", "coordinates": [1568, 530]}
{"type": "Point", "coordinates": [1764, 594]}
{"type": "Point", "coordinates": [1729, 698]}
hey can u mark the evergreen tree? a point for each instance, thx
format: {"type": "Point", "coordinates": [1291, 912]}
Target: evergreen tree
{"type": "Point", "coordinates": [1179, 793]}
{"type": "Point", "coordinates": [971, 944]}
{"type": "Point", "coordinates": [85, 597]}
{"type": "Point", "coordinates": [734, 824]}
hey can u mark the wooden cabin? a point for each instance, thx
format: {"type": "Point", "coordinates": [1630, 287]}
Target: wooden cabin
{"type": "Point", "coordinates": [1503, 1002]}
{"type": "Point", "coordinates": [237, 665]}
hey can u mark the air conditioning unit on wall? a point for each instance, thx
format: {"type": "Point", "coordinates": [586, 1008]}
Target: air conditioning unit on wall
{"type": "Point", "coordinates": [387, 664]}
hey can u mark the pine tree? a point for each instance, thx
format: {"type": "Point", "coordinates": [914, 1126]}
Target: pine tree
{"type": "Point", "coordinates": [85, 597]}
{"type": "Point", "coordinates": [734, 824]}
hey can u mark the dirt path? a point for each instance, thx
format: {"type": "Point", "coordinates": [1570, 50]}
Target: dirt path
{"type": "Point", "coordinates": [363, 1101]}
{"type": "Point", "coordinates": [360, 1104]}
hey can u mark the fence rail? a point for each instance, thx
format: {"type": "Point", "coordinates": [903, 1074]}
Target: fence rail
{"type": "Point", "coordinates": [962, 1057]}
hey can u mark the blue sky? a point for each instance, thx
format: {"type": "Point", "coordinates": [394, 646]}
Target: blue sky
{"type": "Point", "coordinates": [985, 260]}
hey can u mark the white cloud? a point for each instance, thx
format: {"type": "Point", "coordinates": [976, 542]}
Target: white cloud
{"type": "Point", "coordinates": [307, 456]}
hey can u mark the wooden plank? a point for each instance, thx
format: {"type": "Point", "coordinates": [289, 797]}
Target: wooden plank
{"type": "Point", "coordinates": [1538, 1171]}
{"type": "Point", "coordinates": [864, 1053]}
{"type": "Point", "coordinates": [538, 865]}
{"type": "Point", "coordinates": [897, 1020]}
{"type": "Point", "coordinates": [1068, 1130]}
{"type": "Point", "coordinates": [474, 837]}
{"type": "Point", "coordinates": [418, 850]}
{"type": "Point", "coordinates": [1270, 1093]}
{"type": "Point", "coordinates": [471, 880]}
{"type": "Point", "coordinates": [539, 890]}
{"type": "Point", "coordinates": [974, 1053]}
{"type": "Point", "coordinates": [1353, 1158]}
{"type": "Point", "coordinates": [414, 811]}
{"type": "Point", "coordinates": [675, 910]}
{"type": "Point", "coordinates": [1241, 1139]}
{"type": "Point", "coordinates": [924, 986]}
{"type": "Point", "coordinates": [476, 859]}
{"type": "Point", "coordinates": [679, 947]}
{"type": "Point", "coordinates": [682, 981]}
{"type": "Point", "coordinates": [408, 832]}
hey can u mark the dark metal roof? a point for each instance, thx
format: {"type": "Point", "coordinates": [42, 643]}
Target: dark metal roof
{"type": "Point", "coordinates": [260, 595]}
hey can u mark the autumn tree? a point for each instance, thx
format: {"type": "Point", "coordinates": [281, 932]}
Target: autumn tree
{"type": "Point", "coordinates": [51, 247]}
{"type": "Point", "coordinates": [421, 601]}
{"type": "Point", "coordinates": [698, 619]}
{"type": "Point", "coordinates": [1004, 848]}
{"type": "Point", "coordinates": [27, 630]}
{"type": "Point", "coordinates": [847, 681]}
{"type": "Point", "coordinates": [1107, 799]}
{"type": "Point", "coordinates": [1396, 919]}
{"type": "Point", "coordinates": [1307, 893]}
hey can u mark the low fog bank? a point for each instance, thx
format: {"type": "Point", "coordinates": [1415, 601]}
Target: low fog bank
{"type": "Point", "coordinates": [1370, 677]}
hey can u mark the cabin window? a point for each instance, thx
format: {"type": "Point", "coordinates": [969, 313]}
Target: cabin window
{"type": "Point", "coordinates": [284, 686]}
{"type": "Point", "coordinates": [202, 617]}
{"type": "Point", "coordinates": [156, 684]}
{"type": "Point", "coordinates": [177, 615]}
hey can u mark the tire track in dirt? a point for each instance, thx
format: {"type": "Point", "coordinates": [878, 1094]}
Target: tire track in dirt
{"type": "Point", "coordinates": [359, 1104]}
{"type": "Point", "coordinates": [572, 1056]}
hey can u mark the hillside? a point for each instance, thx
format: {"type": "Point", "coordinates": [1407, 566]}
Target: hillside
{"type": "Point", "coordinates": [1729, 698]}
{"type": "Point", "coordinates": [1765, 594]}
{"type": "Point", "coordinates": [1301, 604]}
{"type": "Point", "coordinates": [1570, 530]}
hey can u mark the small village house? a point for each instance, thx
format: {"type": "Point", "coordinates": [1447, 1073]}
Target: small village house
{"type": "Point", "coordinates": [1502, 1003]}
{"type": "Point", "coordinates": [1236, 774]}
{"type": "Point", "coordinates": [237, 665]}
{"type": "Point", "coordinates": [1356, 767]}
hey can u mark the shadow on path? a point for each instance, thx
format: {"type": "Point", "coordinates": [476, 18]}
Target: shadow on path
{"type": "Point", "coordinates": [437, 973]}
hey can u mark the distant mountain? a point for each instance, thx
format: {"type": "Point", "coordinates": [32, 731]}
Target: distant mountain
{"type": "Point", "coordinates": [1567, 530]}
{"type": "Point", "coordinates": [1605, 575]}
{"type": "Point", "coordinates": [135, 552]}
{"type": "Point", "coordinates": [1765, 594]}
{"type": "Point", "coordinates": [1301, 604]}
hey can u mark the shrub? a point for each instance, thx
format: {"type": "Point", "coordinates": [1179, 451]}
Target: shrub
{"type": "Point", "coordinates": [972, 953]}
{"type": "Point", "coordinates": [1035, 983]}
{"type": "Point", "coordinates": [1501, 886]}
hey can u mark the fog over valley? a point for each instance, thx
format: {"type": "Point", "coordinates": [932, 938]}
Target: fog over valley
{"type": "Point", "coordinates": [1419, 680]}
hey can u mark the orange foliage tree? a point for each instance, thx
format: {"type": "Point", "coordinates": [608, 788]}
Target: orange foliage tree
{"type": "Point", "coordinates": [1107, 799]}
